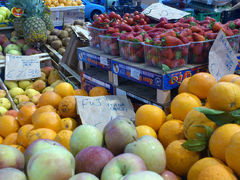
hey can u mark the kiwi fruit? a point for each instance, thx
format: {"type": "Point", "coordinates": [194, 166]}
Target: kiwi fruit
{"type": "Point", "coordinates": [56, 44]}
{"type": "Point", "coordinates": [69, 30]}
{"type": "Point", "coordinates": [66, 26]}
{"type": "Point", "coordinates": [78, 22]}
{"type": "Point", "coordinates": [66, 41]}
{"type": "Point", "coordinates": [63, 34]}
{"type": "Point", "coordinates": [55, 32]}
{"type": "Point", "coordinates": [61, 50]}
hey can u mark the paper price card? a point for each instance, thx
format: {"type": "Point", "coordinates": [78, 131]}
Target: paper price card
{"type": "Point", "coordinates": [158, 10]}
{"type": "Point", "coordinates": [22, 67]}
{"type": "Point", "coordinates": [222, 59]}
{"type": "Point", "coordinates": [98, 111]}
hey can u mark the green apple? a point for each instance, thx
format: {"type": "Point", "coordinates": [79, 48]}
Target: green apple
{"type": "Point", "coordinates": [84, 176]}
{"type": "Point", "coordinates": [4, 102]}
{"type": "Point", "coordinates": [84, 136]}
{"type": "Point", "coordinates": [151, 151]}
{"type": "Point", "coordinates": [6, 10]}
{"type": "Point", "coordinates": [122, 165]}
{"type": "Point", "coordinates": [16, 91]}
{"type": "Point", "coordinates": [14, 52]}
{"type": "Point", "coordinates": [3, 13]}
{"type": "Point", "coordinates": [31, 92]}
{"type": "Point", "coordinates": [2, 93]}
{"type": "Point", "coordinates": [1, 18]}
{"type": "Point", "coordinates": [143, 175]}
{"type": "Point", "coordinates": [12, 174]}
{"type": "Point", "coordinates": [1, 49]}
{"type": "Point", "coordinates": [11, 47]}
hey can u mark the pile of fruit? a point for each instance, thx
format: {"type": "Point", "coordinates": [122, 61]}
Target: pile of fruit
{"type": "Point", "coordinates": [56, 3]}
{"type": "Point", "coordinates": [172, 44]}
{"type": "Point", "coordinates": [15, 46]}
{"type": "Point", "coordinates": [4, 16]}
{"type": "Point", "coordinates": [33, 23]}
{"type": "Point", "coordinates": [5, 104]}
{"type": "Point", "coordinates": [59, 39]}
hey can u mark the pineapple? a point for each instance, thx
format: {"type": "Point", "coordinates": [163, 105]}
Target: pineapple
{"type": "Point", "coordinates": [48, 21]}
{"type": "Point", "coordinates": [18, 26]}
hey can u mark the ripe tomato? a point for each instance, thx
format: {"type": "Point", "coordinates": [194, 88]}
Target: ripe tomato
{"type": "Point", "coordinates": [136, 13]}
{"type": "Point", "coordinates": [136, 18]}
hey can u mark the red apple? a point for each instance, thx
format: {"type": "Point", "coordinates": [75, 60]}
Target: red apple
{"type": "Point", "coordinates": [3, 39]}
{"type": "Point", "coordinates": [92, 160]}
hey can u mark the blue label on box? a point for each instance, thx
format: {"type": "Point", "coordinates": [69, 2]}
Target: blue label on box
{"type": "Point", "coordinates": [89, 82]}
{"type": "Point", "coordinates": [138, 75]}
{"type": "Point", "coordinates": [173, 80]}
{"type": "Point", "coordinates": [94, 60]}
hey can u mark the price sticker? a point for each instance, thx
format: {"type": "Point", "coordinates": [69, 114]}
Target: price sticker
{"type": "Point", "coordinates": [103, 61]}
{"type": "Point", "coordinates": [135, 73]}
{"type": "Point", "coordinates": [22, 67]}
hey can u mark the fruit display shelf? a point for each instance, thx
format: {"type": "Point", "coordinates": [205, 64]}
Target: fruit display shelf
{"type": "Point", "coordinates": [162, 82]}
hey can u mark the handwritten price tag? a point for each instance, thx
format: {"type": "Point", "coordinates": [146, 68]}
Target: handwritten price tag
{"type": "Point", "coordinates": [222, 59]}
{"type": "Point", "coordinates": [22, 67]}
{"type": "Point", "coordinates": [158, 10]}
{"type": "Point", "coordinates": [103, 109]}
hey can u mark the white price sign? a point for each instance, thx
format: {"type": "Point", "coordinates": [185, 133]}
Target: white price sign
{"type": "Point", "coordinates": [22, 67]}
{"type": "Point", "coordinates": [135, 73]}
{"type": "Point", "coordinates": [103, 61]}
{"type": "Point", "coordinates": [222, 59]}
{"type": "Point", "coordinates": [98, 111]}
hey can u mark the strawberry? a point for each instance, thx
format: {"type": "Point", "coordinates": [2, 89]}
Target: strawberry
{"type": "Point", "coordinates": [197, 49]}
{"type": "Point", "coordinates": [211, 35]}
{"type": "Point", "coordinates": [198, 37]}
{"type": "Point", "coordinates": [168, 26]}
{"type": "Point", "coordinates": [217, 27]}
{"type": "Point", "coordinates": [210, 19]}
{"type": "Point", "coordinates": [168, 33]}
{"type": "Point", "coordinates": [235, 31]}
{"type": "Point", "coordinates": [172, 41]}
{"type": "Point", "coordinates": [138, 38]}
{"type": "Point", "coordinates": [125, 27]}
{"type": "Point", "coordinates": [184, 39]}
{"type": "Point", "coordinates": [184, 25]}
{"type": "Point", "coordinates": [167, 53]}
{"type": "Point", "coordinates": [130, 37]}
{"type": "Point", "coordinates": [186, 32]}
{"type": "Point", "coordinates": [196, 29]}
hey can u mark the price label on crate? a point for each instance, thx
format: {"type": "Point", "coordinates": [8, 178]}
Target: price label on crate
{"type": "Point", "coordinates": [103, 109]}
{"type": "Point", "coordinates": [22, 67]}
{"type": "Point", "coordinates": [103, 61]}
{"type": "Point", "coordinates": [222, 59]}
{"type": "Point", "coordinates": [135, 73]}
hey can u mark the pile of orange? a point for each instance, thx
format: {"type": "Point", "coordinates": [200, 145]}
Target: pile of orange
{"type": "Point", "coordinates": [184, 122]}
{"type": "Point", "coordinates": [56, 3]}
{"type": "Point", "coordinates": [54, 118]}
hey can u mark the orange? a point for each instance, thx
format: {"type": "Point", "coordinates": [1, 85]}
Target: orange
{"type": "Point", "coordinates": [8, 125]}
{"type": "Point", "coordinates": [224, 96]}
{"type": "Point", "coordinates": [10, 139]}
{"type": "Point", "coordinates": [98, 91]}
{"type": "Point", "coordinates": [182, 104]}
{"type": "Point", "coordinates": [200, 165]}
{"type": "Point", "coordinates": [68, 124]}
{"type": "Point", "coordinates": [22, 134]}
{"type": "Point", "coordinates": [42, 109]}
{"type": "Point", "coordinates": [150, 115]}
{"type": "Point", "coordinates": [64, 89]}
{"type": "Point", "coordinates": [236, 81]}
{"type": "Point", "coordinates": [232, 155]}
{"type": "Point", "coordinates": [1, 140]}
{"type": "Point", "coordinates": [228, 78]}
{"type": "Point", "coordinates": [200, 83]}
{"type": "Point", "coordinates": [19, 147]}
{"type": "Point", "coordinates": [192, 122]}
{"type": "Point", "coordinates": [179, 159]}
{"type": "Point", "coordinates": [25, 114]}
{"type": "Point", "coordinates": [217, 172]}
{"type": "Point", "coordinates": [81, 92]}
{"type": "Point", "coordinates": [79, 2]}
{"type": "Point", "coordinates": [41, 133]}
{"type": "Point", "coordinates": [170, 131]}
{"type": "Point", "coordinates": [67, 107]}
{"type": "Point", "coordinates": [63, 137]}
{"type": "Point", "coordinates": [144, 130]}
{"type": "Point", "coordinates": [49, 98]}
{"type": "Point", "coordinates": [221, 138]}
{"type": "Point", "coordinates": [169, 117]}
{"type": "Point", "coordinates": [50, 120]}
{"type": "Point", "coordinates": [74, 4]}
{"type": "Point", "coordinates": [184, 86]}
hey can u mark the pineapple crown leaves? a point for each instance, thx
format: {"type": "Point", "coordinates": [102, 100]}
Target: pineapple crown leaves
{"type": "Point", "coordinates": [201, 142]}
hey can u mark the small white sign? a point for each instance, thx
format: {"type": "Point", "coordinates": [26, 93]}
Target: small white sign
{"type": "Point", "coordinates": [103, 61]}
{"type": "Point", "coordinates": [98, 111]}
{"type": "Point", "coordinates": [22, 67]}
{"type": "Point", "coordinates": [135, 73]}
{"type": "Point", "coordinates": [159, 10]}
{"type": "Point", "coordinates": [222, 59]}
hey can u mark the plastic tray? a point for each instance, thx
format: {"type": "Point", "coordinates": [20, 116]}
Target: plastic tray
{"type": "Point", "coordinates": [131, 51]}
{"type": "Point", "coordinates": [109, 45]}
{"type": "Point", "coordinates": [94, 34]}
{"type": "Point", "coordinates": [172, 56]}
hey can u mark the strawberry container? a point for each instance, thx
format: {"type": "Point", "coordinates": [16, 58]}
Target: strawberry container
{"type": "Point", "coordinates": [109, 45]}
{"type": "Point", "coordinates": [234, 42]}
{"type": "Point", "coordinates": [172, 56]}
{"type": "Point", "coordinates": [94, 34]}
{"type": "Point", "coordinates": [131, 51]}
